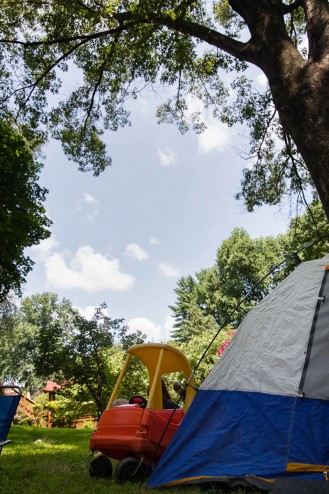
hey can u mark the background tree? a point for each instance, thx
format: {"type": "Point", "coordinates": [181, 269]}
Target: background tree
{"type": "Point", "coordinates": [209, 299]}
{"type": "Point", "coordinates": [121, 47]}
{"type": "Point", "coordinates": [196, 317]}
{"type": "Point", "coordinates": [36, 345]}
{"type": "Point", "coordinates": [241, 263]}
{"type": "Point", "coordinates": [186, 299]}
{"type": "Point", "coordinates": [46, 339]}
{"type": "Point", "coordinates": [7, 315]}
{"type": "Point", "coordinates": [23, 222]}
{"type": "Point", "coordinates": [86, 362]}
{"type": "Point", "coordinates": [54, 323]}
{"type": "Point", "coordinates": [195, 347]}
{"type": "Point", "coordinates": [136, 378]}
{"type": "Point", "coordinates": [307, 228]}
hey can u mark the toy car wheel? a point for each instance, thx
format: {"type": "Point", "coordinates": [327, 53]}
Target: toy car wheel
{"type": "Point", "coordinates": [129, 469]}
{"type": "Point", "coordinates": [100, 466]}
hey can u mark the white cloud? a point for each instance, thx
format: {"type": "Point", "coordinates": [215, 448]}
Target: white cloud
{"type": "Point", "coordinates": [136, 252]}
{"type": "Point", "coordinates": [216, 137]}
{"type": "Point", "coordinates": [167, 157]}
{"type": "Point", "coordinates": [168, 270]}
{"type": "Point", "coordinates": [90, 207]}
{"type": "Point", "coordinates": [154, 241]}
{"type": "Point", "coordinates": [44, 248]}
{"type": "Point", "coordinates": [89, 311]}
{"type": "Point", "coordinates": [194, 105]}
{"type": "Point", "coordinates": [168, 326]}
{"type": "Point", "coordinates": [87, 270]}
{"type": "Point", "coordinates": [261, 80]}
{"type": "Point", "coordinates": [89, 199]}
{"type": "Point", "coordinates": [152, 331]}
{"type": "Point", "coordinates": [95, 205]}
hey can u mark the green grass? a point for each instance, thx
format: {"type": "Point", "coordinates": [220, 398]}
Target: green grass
{"type": "Point", "coordinates": [56, 461]}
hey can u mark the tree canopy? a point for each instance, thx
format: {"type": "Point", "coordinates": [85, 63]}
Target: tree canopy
{"type": "Point", "coordinates": [243, 274]}
{"type": "Point", "coordinates": [23, 222]}
{"type": "Point", "coordinates": [195, 48]}
{"type": "Point", "coordinates": [209, 299]}
{"type": "Point", "coordinates": [46, 338]}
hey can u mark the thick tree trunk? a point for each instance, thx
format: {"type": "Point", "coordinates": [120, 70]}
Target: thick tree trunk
{"type": "Point", "coordinates": [301, 96]}
{"type": "Point", "coordinates": [299, 87]}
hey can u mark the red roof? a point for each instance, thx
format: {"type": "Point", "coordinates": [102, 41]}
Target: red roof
{"type": "Point", "coordinates": [51, 386]}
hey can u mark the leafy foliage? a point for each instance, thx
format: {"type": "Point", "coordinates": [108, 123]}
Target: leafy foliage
{"type": "Point", "coordinates": [36, 343]}
{"type": "Point", "coordinates": [307, 227]}
{"type": "Point", "coordinates": [196, 347]}
{"type": "Point", "coordinates": [49, 340]}
{"type": "Point", "coordinates": [69, 406]}
{"type": "Point", "coordinates": [210, 299]}
{"type": "Point", "coordinates": [194, 50]}
{"type": "Point", "coordinates": [244, 273]}
{"type": "Point", "coordinates": [23, 222]}
{"type": "Point", "coordinates": [7, 331]}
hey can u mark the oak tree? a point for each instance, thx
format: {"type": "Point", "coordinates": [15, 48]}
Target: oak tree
{"type": "Point", "coordinates": [119, 47]}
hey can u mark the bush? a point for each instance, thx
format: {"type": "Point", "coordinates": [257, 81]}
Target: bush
{"type": "Point", "coordinates": [88, 424]}
{"type": "Point", "coordinates": [24, 421]}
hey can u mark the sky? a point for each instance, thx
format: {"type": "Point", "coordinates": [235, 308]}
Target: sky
{"type": "Point", "coordinates": [158, 213]}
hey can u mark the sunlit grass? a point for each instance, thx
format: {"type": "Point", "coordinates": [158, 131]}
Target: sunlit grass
{"type": "Point", "coordinates": [56, 461]}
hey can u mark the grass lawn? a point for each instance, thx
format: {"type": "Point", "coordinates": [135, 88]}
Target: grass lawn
{"type": "Point", "coordinates": [55, 461]}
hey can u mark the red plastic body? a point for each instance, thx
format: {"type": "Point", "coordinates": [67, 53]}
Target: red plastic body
{"type": "Point", "coordinates": [129, 430]}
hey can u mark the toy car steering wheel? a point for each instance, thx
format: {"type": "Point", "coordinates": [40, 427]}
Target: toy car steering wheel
{"type": "Point", "coordinates": [138, 400]}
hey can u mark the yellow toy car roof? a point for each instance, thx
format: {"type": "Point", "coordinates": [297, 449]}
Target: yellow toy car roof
{"type": "Point", "coordinates": [159, 359]}
{"type": "Point", "coordinates": [173, 359]}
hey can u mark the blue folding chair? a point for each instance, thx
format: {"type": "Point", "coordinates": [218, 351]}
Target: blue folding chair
{"type": "Point", "coordinates": [9, 399]}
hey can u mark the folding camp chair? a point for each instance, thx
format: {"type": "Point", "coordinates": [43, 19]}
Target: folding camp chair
{"type": "Point", "coordinates": [9, 399]}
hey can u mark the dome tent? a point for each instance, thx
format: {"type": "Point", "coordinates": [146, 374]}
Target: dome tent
{"type": "Point", "coordinates": [261, 417]}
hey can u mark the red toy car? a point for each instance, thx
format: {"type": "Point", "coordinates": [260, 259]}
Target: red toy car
{"type": "Point", "coordinates": [137, 433]}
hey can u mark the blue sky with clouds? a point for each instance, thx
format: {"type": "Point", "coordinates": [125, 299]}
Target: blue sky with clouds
{"type": "Point", "coordinates": [159, 212]}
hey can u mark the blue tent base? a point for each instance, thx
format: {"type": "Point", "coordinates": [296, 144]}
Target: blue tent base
{"type": "Point", "coordinates": [247, 436]}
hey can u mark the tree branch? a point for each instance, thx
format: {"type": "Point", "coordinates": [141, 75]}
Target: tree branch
{"type": "Point", "coordinates": [287, 9]}
{"type": "Point", "coordinates": [287, 140]}
{"type": "Point", "coordinates": [317, 22]}
{"type": "Point", "coordinates": [84, 6]}
{"type": "Point", "coordinates": [268, 124]}
{"type": "Point", "coordinates": [98, 82]}
{"type": "Point", "coordinates": [45, 73]}
{"type": "Point", "coordinates": [85, 37]}
{"type": "Point", "coordinates": [126, 20]}
{"type": "Point", "coordinates": [183, 7]}
{"type": "Point", "coordinates": [92, 100]}
{"type": "Point", "coordinates": [243, 51]}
